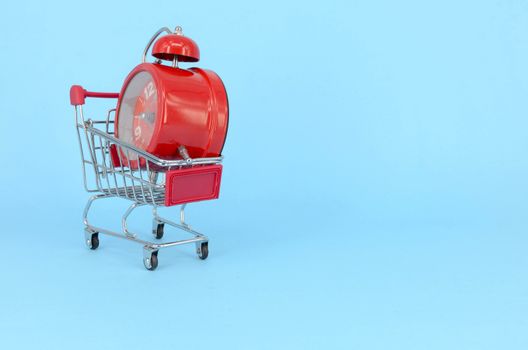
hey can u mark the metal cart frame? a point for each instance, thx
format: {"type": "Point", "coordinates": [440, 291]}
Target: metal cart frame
{"type": "Point", "coordinates": [125, 171]}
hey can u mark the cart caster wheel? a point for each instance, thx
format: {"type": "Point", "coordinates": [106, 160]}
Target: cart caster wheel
{"type": "Point", "coordinates": [92, 241]}
{"type": "Point", "coordinates": [158, 231]}
{"type": "Point", "coordinates": [203, 250]}
{"type": "Point", "coordinates": [151, 263]}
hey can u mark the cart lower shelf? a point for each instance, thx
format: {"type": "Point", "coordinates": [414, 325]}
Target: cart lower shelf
{"type": "Point", "coordinates": [150, 249]}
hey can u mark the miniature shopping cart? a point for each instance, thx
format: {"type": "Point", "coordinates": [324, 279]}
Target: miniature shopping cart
{"type": "Point", "coordinates": [122, 170]}
{"type": "Point", "coordinates": [160, 146]}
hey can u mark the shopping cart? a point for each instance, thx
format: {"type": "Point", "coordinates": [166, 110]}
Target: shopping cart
{"type": "Point", "coordinates": [113, 168]}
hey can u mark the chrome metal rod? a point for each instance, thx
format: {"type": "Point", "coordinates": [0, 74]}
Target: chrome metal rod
{"type": "Point", "coordinates": [125, 217]}
{"type": "Point", "coordinates": [151, 157]}
{"type": "Point", "coordinates": [89, 205]}
{"type": "Point", "coordinates": [184, 227]}
{"type": "Point", "coordinates": [164, 29]}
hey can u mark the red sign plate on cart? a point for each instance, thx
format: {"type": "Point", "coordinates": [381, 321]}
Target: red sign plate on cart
{"type": "Point", "coordinates": [192, 184]}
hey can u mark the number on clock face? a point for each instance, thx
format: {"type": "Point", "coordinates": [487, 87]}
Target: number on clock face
{"type": "Point", "coordinates": [144, 115]}
{"type": "Point", "coordinates": [149, 90]}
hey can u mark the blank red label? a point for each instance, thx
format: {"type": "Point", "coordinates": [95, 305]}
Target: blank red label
{"type": "Point", "coordinates": [193, 184]}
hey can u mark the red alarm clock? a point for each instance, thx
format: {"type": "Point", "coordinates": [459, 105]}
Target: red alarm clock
{"type": "Point", "coordinates": [162, 107]}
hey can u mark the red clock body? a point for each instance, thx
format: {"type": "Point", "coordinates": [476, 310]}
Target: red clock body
{"type": "Point", "coordinates": [161, 108]}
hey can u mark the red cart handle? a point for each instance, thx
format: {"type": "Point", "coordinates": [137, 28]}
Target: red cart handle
{"type": "Point", "coordinates": [78, 95]}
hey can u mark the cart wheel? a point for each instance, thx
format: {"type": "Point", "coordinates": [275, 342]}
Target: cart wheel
{"type": "Point", "coordinates": [158, 233]}
{"type": "Point", "coordinates": [93, 241]}
{"type": "Point", "coordinates": [152, 262]}
{"type": "Point", "coordinates": [203, 252]}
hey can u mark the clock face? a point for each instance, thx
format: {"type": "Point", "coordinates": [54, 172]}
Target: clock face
{"type": "Point", "coordinates": [138, 111]}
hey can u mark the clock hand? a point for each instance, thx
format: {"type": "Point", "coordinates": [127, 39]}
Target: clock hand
{"type": "Point", "coordinates": [146, 116]}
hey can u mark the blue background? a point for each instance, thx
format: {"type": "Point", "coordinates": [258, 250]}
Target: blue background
{"type": "Point", "coordinates": [374, 192]}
